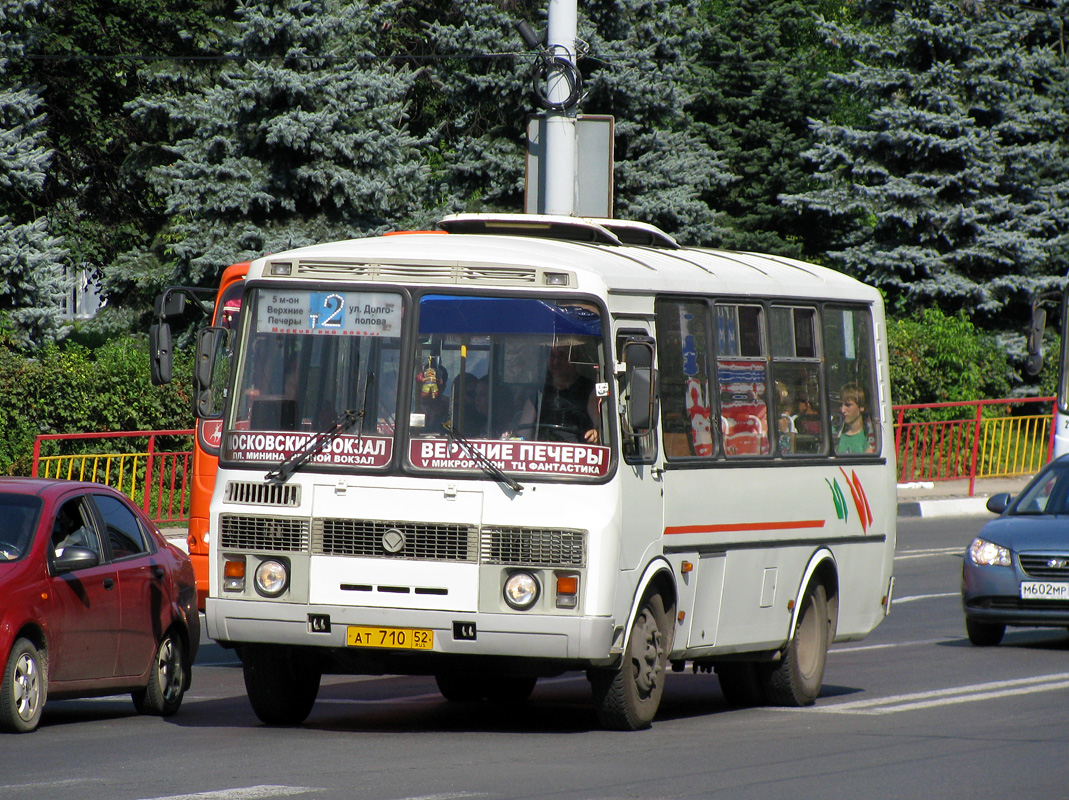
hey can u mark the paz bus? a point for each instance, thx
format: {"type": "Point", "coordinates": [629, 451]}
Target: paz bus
{"type": "Point", "coordinates": [224, 313]}
{"type": "Point", "coordinates": [530, 445]}
{"type": "Point", "coordinates": [1035, 361]}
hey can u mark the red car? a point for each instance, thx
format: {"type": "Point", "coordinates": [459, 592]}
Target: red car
{"type": "Point", "coordinates": [93, 601]}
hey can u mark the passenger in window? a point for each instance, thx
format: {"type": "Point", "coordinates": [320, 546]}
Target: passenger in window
{"type": "Point", "coordinates": [568, 407]}
{"type": "Point", "coordinates": [70, 530]}
{"type": "Point", "coordinates": [786, 424]}
{"type": "Point", "coordinates": [854, 436]}
{"type": "Point", "coordinates": [476, 405]}
{"type": "Point", "coordinates": [807, 419]}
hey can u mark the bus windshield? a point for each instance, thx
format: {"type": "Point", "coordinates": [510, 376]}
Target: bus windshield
{"type": "Point", "coordinates": [509, 369]}
{"type": "Point", "coordinates": [308, 358]}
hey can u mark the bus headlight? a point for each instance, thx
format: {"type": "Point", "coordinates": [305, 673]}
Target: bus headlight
{"type": "Point", "coordinates": [271, 577]}
{"type": "Point", "coordinates": [521, 590]}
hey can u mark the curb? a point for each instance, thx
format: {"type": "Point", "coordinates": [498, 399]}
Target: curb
{"type": "Point", "coordinates": [947, 507]}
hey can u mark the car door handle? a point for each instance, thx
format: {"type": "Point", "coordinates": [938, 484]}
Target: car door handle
{"type": "Point", "coordinates": [109, 584]}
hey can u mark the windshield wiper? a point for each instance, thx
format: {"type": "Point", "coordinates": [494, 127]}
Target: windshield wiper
{"type": "Point", "coordinates": [343, 423]}
{"type": "Point", "coordinates": [347, 419]}
{"type": "Point", "coordinates": [489, 467]}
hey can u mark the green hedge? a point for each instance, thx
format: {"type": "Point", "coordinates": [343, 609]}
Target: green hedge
{"type": "Point", "coordinates": [70, 388]}
{"type": "Point", "coordinates": [937, 358]}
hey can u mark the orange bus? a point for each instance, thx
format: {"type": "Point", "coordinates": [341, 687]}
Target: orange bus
{"type": "Point", "coordinates": [225, 313]}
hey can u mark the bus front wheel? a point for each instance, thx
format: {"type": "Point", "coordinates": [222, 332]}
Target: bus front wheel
{"type": "Point", "coordinates": [796, 678]}
{"type": "Point", "coordinates": [281, 685]}
{"type": "Point", "coordinates": [626, 698]}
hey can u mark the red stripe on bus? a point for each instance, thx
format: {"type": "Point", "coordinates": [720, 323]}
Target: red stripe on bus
{"type": "Point", "coordinates": [746, 526]}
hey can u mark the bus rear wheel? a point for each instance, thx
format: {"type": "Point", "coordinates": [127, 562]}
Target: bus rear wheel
{"type": "Point", "coordinates": [281, 685]}
{"type": "Point", "coordinates": [796, 678]}
{"type": "Point", "coordinates": [627, 698]}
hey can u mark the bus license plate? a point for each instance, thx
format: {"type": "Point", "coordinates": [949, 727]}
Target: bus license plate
{"type": "Point", "coordinates": [1044, 590]}
{"type": "Point", "coordinates": [391, 638]}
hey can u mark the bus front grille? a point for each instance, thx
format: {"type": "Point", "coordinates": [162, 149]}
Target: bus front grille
{"type": "Point", "coordinates": [262, 494]}
{"type": "Point", "coordinates": [271, 534]}
{"type": "Point", "coordinates": [537, 547]}
{"type": "Point", "coordinates": [391, 539]}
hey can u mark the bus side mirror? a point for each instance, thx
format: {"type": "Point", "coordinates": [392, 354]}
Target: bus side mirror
{"type": "Point", "coordinates": [1034, 364]}
{"type": "Point", "coordinates": [170, 304]}
{"type": "Point", "coordinates": [641, 395]}
{"type": "Point", "coordinates": [208, 384]}
{"type": "Point", "coordinates": [159, 353]}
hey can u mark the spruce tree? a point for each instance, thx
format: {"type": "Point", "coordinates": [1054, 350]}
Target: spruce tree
{"type": "Point", "coordinates": [956, 185]}
{"type": "Point", "coordinates": [472, 98]}
{"type": "Point", "coordinates": [299, 136]}
{"type": "Point", "coordinates": [762, 64]}
{"type": "Point", "coordinates": [32, 260]}
{"type": "Point", "coordinates": [642, 70]}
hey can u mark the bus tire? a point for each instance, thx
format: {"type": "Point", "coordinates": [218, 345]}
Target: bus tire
{"type": "Point", "coordinates": [796, 678]}
{"type": "Point", "coordinates": [740, 683]}
{"type": "Point", "coordinates": [984, 634]}
{"type": "Point", "coordinates": [162, 696]}
{"type": "Point", "coordinates": [24, 688]}
{"type": "Point", "coordinates": [460, 687]}
{"type": "Point", "coordinates": [281, 685]}
{"type": "Point", "coordinates": [627, 698]}
{"type": "Point", "coordinates": [509, 688]}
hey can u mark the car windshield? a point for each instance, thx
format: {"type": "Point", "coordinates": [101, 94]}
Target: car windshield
{"type": "Point", "coordinates": [20, 513]}
{"type": "Point", "coordinates": [1048, 494]}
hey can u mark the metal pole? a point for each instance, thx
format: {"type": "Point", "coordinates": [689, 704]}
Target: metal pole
{"type": "Point", "coordinates": [560, 126]}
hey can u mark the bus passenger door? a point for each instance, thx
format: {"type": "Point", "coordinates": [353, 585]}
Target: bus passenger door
{"type": "Point", "coordinates": [642, 501]}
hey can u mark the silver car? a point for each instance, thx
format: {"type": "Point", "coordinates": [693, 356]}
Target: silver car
{"type": "Point", "coordinates": [1016, 572]}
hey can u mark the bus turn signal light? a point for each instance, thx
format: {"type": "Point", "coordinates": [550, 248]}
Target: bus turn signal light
{"type": "Point", "coordinates": [234, 574]}
{"type": "Point", "coordinates": [567, 591]}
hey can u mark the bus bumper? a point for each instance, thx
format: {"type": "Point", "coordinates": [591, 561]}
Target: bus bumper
{"type": "Point", "coordinates": [566, 638]}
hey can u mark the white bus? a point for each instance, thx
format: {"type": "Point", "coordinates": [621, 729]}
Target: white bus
{"type": "Point", "coordinates": [1035, 361]}
{"type": "Point", "coordinates": [528, 445]}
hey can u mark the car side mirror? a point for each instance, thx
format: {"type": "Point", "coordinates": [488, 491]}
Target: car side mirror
{"type": "Point", "coordinates": [997, 503]}
{"type": "Point", "coordinates": [73, 558]}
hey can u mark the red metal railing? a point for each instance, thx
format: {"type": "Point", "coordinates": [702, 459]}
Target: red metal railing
{"type": "Point", "coordinates": [973, 446]}
{"type": "Point", "coordinates": [157, 480]}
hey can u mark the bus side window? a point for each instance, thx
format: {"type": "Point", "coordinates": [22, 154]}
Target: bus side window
{"type": "Point", "coordinates": [796, 357]}
{"type": "Point", "coordinates": [742, 380]}
{"type": "Point", "coordinates": [683, 364]}
{"type": "Point", "coordinates": [851, 377]}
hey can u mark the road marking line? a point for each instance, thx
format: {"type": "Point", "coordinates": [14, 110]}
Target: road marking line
{"type": "Point", "coordinates": [48, 784]}
{"type": "Point", "coordinates": [859, 648]}
{"type": "Point", "coordinates": [243, 793]}
{"type": "Point", "coordinates": [938, 551]}
{"type": "Point", "coordinates": [910, 599]}
{"type": "Point", "coordinates": [950, 696]}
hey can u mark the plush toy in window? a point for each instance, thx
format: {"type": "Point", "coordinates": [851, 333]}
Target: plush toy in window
{"type": "Point", "coordinates": [429, 380]}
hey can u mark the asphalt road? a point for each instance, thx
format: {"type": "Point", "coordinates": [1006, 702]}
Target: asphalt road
{"type": "Point", "coordinates": [913, 711]}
